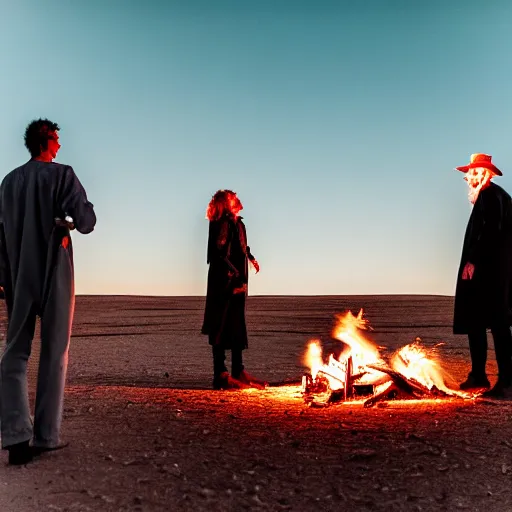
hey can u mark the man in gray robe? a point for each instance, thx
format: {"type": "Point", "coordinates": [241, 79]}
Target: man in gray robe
{"type": "Point", "coordinates": [37, 277]}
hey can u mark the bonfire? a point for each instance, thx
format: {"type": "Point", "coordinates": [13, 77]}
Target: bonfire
{"type": "Point", "coordinates": [361, 371]}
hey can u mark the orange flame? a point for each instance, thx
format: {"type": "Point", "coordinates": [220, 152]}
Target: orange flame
{"type": "Point", "coordinates": [363, 352]}
{"type": "Point", "coordinates": [313, 357]}
{"type": "Point", "coordinates": [412, 361]}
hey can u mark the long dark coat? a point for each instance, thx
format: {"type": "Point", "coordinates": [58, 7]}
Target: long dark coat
{"type": "Point", "coordinates": [228, 254]}
{"type": "Point", "coordinates": [485, 300]}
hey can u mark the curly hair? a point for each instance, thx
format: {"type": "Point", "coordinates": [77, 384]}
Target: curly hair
{"type": "Point", "coordinates": [220, 204]}
{"type": "Point", "coordinates": [36, 135]}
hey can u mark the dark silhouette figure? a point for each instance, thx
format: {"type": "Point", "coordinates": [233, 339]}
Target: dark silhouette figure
{"type": "Point", "coordinates": [224, 317]}
{"type": "Point", "coordinates": [484, 281]}
{"type": "Point", "coordinates": [39, 203]}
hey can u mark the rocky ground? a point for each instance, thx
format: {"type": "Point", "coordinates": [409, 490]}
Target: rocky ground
{"type": "Point", "coordinates": [147, 433]}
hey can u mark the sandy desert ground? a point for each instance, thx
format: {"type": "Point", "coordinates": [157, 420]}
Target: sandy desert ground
{"type": "Point", "coordinates": [147, 433]}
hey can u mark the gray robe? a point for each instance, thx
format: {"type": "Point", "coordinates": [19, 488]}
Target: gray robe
{"type": "Point", "coordinates": [36, 271]}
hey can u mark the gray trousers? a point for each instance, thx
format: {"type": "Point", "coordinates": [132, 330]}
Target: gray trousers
{"type": "Point", "coordinates": [56, 319]}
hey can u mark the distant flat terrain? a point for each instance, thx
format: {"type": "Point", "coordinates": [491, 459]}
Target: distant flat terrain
{"type": "Point", "coordinates": [140, 340]}
{"type": "Point", "coordinates": [147, 433]}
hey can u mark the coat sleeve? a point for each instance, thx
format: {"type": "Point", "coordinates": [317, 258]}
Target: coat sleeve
{"type": "Point", "coordinates": [72, 199]}
{"type": "Point", "coordinates": [487, 228]}
{"type": "Point", "coordinates": [248, 253]}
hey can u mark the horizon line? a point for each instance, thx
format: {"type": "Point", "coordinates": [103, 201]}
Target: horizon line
{"type": "Point", "coordinates": [273, 295]}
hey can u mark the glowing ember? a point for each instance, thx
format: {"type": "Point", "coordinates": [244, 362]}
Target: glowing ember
{"type": "Point", "coordinates": [360, 366]}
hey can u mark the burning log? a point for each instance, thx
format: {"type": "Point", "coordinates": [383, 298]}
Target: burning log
{"type": "Point", "coordinates": [328, 375]}
{"type": "Point", "coordinates": [409, 386]}
{"type": "Point", "coordinates": [316, 386]}
{"type": "Point", "coordinates": [349, 381]}
{"type": "Point", "coordinates": [384, 393]}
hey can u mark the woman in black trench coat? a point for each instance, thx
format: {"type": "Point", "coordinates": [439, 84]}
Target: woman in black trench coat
{"type": "Point", "coordinates": [224, 318]}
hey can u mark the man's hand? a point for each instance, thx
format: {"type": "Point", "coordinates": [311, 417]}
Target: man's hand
{"type": "Point", "coordinates": [65, 223]}
{"type": "Point", "coordinates": [256, 265]}
{"type": "Point", "coordinates": [468, 271]}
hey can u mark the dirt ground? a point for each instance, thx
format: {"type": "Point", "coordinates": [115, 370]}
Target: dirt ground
{"type": "Point", "coordinates": [147, 433]}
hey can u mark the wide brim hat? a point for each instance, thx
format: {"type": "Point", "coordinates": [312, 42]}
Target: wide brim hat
{"type": "Point", "coordinates": [478, 160]}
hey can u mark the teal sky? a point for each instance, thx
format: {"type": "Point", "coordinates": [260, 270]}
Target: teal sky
{"type": "Point", "coordinates": [337, 122]}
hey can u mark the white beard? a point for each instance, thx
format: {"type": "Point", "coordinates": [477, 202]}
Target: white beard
{"type": "Point", "coordinates": [473, 193]}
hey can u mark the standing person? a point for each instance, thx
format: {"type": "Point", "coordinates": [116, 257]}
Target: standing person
{"type": "Point", "coordinates": [484, 288]}
{"type": "Point", "coordinates": [37, 276]}
{"type": "Point", "coordinates": [224, 316]}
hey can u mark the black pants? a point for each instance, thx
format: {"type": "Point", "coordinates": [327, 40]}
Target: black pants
{"type": "Point", "coordinates": [502, 346]}
{"type": "Point", "coordinates": [219, 361]}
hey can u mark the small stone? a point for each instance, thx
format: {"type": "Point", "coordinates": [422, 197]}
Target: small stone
{"type": "Point", "coordinates": [207, 493]}
{"type": "Point", "coordinates": [257, 501]}
{"type": "Point", "coordinates": [175, 471]}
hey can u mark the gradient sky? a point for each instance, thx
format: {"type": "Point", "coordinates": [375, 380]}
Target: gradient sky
{"type": "Point", "coordinates": [337, 122]}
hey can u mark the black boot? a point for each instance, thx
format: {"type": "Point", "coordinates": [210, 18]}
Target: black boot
{"type": "Point", "coordinates": [225, 381]}
{"type": "Point", "coordinates": [502, 390]}
{"type": "Point", "coordinates": [20, 453]}
{"type": "Point", "coordinates": [475, 382]}
{"type": "Point", "coordinates": [252, 381]}
{"type": "Point", "coordinates": [39, 450]}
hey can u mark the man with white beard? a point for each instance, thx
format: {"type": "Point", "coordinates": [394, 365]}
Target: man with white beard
{"type": "Point", "coordinates": [484, 281]}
